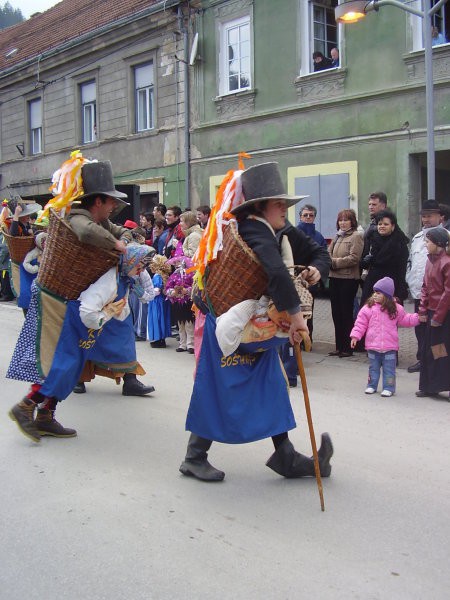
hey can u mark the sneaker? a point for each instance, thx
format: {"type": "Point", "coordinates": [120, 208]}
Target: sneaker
{"type": "Point", "coordinates": [370, 390]}
{"type": "Point", "coordinates": [387, 393]}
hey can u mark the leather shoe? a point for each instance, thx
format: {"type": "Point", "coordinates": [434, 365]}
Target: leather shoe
{"type": "Point", "coordinates": [293, 383]}
{"type": "Point", "coordinates": [80, 388]}
{"type": "Point", "coordinates": [158, 344]}
{"type": "Point", "coordinates": [415, 368]}
{"type": "Point", "coordinates": [334, 353]}
{"type": "Point", "coordinates": [422, 394]}
{"type": "Point", "coordinates": [345, 354]}
{"type": "Point", "coordinates": [134, 387]}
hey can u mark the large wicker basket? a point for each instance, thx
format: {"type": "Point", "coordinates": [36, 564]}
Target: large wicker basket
{"type": "Point", "coordinates": [68, 267]}
{"type": "Point", "coordinates": [235, 276]}
{"type": "Point", "coordinates": [18, 246]}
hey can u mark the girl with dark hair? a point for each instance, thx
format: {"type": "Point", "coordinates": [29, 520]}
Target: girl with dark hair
{"type": "Point", "coordinates": [387, 257]}
{"type": "Point", "coordinates": [345, 252]}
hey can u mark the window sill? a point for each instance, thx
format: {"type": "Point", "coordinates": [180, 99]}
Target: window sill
{"type": "Point", "coordinates": [236, 105]}
{"type": "Point", "coordinates": [322, 84]}
{"type": "Point", "coordinates": [415, 64]}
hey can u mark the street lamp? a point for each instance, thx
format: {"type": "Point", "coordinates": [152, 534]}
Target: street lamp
{"type": "Point", "coordinates": [352, 11]}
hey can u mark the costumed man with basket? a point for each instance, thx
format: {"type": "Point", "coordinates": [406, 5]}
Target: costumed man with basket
{"type": "Point", "coordinates": [243, 396]}
{"type": "Point", "coordinates": [20, 240]}
{"type": "Point", "coordinates": [58, 337]}
{"type": "Point", "coordinates": [90, 221]}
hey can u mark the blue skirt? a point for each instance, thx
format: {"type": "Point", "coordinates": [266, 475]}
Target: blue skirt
{"type": "Point", "coordinates": [238, 398]}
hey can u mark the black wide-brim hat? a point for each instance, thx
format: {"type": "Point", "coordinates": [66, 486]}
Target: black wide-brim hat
{"type": "Point", "coordinates": [263, 182]}
{"type": "Point", "coordinates": [98, 180]}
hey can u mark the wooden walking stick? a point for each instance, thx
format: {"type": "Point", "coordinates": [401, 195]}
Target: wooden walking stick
{"type": "Point", "coordinates": [301, 369]}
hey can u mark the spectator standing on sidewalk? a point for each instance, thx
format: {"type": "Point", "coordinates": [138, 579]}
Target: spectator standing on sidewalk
{"type": "Point", "coordinates": [378, 321]}
{"type": "Point", "coordinates": [430, 216]}
{"type": "Point", "coordinates": [308, 215]}
{"type": "Point", "coordinates": [434, 312]}
{"type": "Point", "coordinates": [345, 251]}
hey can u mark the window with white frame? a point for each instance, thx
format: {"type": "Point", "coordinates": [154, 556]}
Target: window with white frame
{"type": "Point", "coordinates": [235, 56]}
{"type": "Point", "coordinates": [144, 91]}
{"type": "Point", "coordinates": [88, 95]}
{"type": "Point", "coordinates": [440, 24]}
{"type": "Point", "coordinates": [35, 123]}
{"type": "Point", "coordinates": [319, 33]}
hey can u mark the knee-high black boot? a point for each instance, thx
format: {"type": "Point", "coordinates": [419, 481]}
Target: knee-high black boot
{"type": "Point", "coordinates": [286, 461]}
{"type": "Point", "coordinates": [196, 462]}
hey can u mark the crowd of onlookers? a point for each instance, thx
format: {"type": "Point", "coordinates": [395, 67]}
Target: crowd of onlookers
{"type": "Point", "coordinates": [363, 263]}
{"type": "Point", "coordinates": [174, 235]}
{"type": "Point", "coordinates": [379, 266]}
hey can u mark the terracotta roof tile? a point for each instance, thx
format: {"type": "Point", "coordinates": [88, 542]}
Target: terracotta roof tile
{"type": "Point", "coordinates": [65, 21]}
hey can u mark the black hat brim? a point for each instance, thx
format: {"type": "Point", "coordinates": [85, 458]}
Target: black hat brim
{"type": "Point", "coordinates": [290, 201]}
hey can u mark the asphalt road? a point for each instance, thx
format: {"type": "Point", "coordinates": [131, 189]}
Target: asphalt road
{"type": "Point", "coordinates": [108, 516]}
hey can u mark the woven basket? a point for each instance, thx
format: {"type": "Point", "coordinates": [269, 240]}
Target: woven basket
{"type": "Point", "coordinates": [18, 246]}
{"type": "Point", "coordinates": [235, 276]}
{"type": "Point", "coordinates": [68, 267]}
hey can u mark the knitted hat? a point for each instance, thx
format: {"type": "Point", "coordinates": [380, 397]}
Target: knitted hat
{"type": "Point", "coordinates": [439, 236]}
{"type": "Point", "coordinates": [429, 207]}
{"type": "Point", "coordinates": [385, 286]}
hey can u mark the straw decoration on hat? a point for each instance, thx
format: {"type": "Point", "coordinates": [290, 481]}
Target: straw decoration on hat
{"type": "Point", "coordinates": [229, 195]}
{"type": "Point", "coordinates": [67, 185]}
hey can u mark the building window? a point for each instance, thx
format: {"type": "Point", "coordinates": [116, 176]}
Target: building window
{"type": "Point", "coordinates": [144, 91]}
{"type": "Point", "coordinates": [319, 33]}
{"type": "Point", "coordinates": [235, 56]}
{"type": "Point", "coordinates": [88, 95]}
{"type": "Point", "coordinates": [35, 121]}
{"type": "Point", "coordinates": [324, 27]}
{"type": "Point", "coordinates": [440, 23]}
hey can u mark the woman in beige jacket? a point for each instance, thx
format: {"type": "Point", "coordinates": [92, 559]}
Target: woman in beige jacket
{"type": "Point", "coordinates": [345, 251]}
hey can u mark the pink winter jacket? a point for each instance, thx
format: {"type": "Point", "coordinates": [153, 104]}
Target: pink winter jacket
{"type": "Point", "coordinates": [381, 331]}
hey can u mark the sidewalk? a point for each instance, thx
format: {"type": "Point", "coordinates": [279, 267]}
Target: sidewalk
{"type": "Point", "coordinates": [323, 335]}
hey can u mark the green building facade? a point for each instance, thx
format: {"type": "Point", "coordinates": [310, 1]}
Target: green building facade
{"type": "Point", "coordinates": [338, 134]}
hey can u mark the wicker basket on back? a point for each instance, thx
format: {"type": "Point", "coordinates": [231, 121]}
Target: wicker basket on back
{"type": "Point", "coordinates": [18, 246]}
{"type": "Point", "coordinates": [235, 276]}
{"type": "Point", "coordinates": [68, 267]}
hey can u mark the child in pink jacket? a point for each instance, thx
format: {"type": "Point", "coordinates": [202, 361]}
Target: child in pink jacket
{"type": "Point", "coordinates": [378, 320]}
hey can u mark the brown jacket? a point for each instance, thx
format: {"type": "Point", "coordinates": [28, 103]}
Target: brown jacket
{"type": "Point", "coordinates": [101, 235]}
{"type": "Point", "coordinates": [345, 252]}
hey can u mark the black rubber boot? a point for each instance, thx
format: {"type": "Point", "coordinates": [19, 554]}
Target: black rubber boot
{"type": "Point", "coordinates": [47, 425]}
{"type": "Point", "coordinates": [133, 387]}
{"type": "Point", "coordinates": [196, 462]}
{"type": "Point", "coordinates": [286, 461]}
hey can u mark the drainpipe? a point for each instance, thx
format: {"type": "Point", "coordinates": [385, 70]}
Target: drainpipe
{"type": "Point", "coordinates": [187, 142]}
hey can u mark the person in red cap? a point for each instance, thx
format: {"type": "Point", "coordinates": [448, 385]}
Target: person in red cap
{"type": "Point", "coordinates": [130, 224]}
